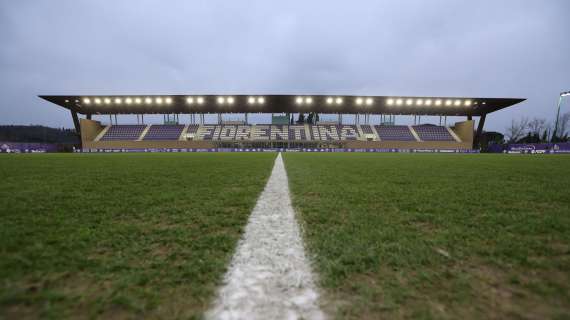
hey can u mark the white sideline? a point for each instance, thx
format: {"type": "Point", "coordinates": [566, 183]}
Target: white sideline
{"type": "Point", "coordinates": [269, 276]}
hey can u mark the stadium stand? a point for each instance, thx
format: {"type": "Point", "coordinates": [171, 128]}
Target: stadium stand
{"type": "Point", "coordinates": [433, 133]}
{"type": "Point", "coordinates": [164, 132]}
{"type": "Point", "coordinates": [324, 132]}
{"type": "Point", "coordinates": [123, 132]}
{"type": "Point", "coordinates": [394, 133]}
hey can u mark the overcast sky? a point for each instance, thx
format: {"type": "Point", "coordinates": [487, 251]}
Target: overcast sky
{"type": "Point", "coordinates": [479, 48]}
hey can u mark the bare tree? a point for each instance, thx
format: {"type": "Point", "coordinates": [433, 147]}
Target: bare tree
{"type": "Point", "coordinates": [517, 129]}
{"type": "Point", "coordinates": [563, 124]}
{"type": "Point", "coordinates": [536, 126]}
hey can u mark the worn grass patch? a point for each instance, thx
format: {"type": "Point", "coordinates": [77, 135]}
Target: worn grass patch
{"type": "Point", "coordinates": [121, 235]}
{"type": "Point", "coordinates": [437, 236]}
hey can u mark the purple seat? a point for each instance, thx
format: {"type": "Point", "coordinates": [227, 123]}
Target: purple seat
{"type": "Point", "coordinates": [433, 133]}
{"type": "Point", "coordinates": [394, 133]}
{"type": "Point", "coordinates": [123, 132]}
{"type": "Point", "coordinates": [164, 132]}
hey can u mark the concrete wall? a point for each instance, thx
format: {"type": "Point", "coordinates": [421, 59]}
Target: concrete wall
{"type": "Point", "coordinates": [464, 130]}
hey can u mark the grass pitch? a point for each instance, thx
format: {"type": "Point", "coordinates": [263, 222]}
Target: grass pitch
{"type": "Point", "coordinates": [121, 235]}
{"type": "Point", "coordinates": [437, 236]}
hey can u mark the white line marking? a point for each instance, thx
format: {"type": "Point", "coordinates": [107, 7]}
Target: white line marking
{"type": "Point", "coordinates": [269, 276]}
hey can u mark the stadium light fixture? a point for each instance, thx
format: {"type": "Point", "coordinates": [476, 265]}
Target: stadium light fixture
{"type": "Point", "coordinates": [399, 102]}
{"type": "Point", "coordinates": [158, 100]}
{"type": "Point", "coordinates": [390, 102]}
{"type": "Point", "coordinates": [200, 100]}
{"type": "Point", "coordinates": [168, 100]}
{"type": "Point", "coordinates": [230, 100]}
{"type": "Point", "coordinates": [251, 100]}
{"type": "Point", "coordinates": [138, 100]}
{"type": "Point", "coordinates": [189, 100]}
{"type": "Point", "coordinates": [221, 100]}
{"type": "Point", "coordinates": [118, 101]}
{"type": "Point", "coordinates": [299, 100]}
{"type": "Point", "coordinates": [420, 102]}
{"type": "Point", "coordinates": [260, 100]}
{"type": "Point", "coordinates": [308, 100]}
{"type": "Point", "coordinates": [148, 100]}
{"type": "Point", "coordinates": [97, 101]}
{"type": "Point", "coordinates": [330, 100]}
{"type": "Point", "coordinates": [369, 101]}
{"type": "Point", "coordinates": [359, 101]}
{"type": "Point", "coordinates": [86, 100]}
{"type": "Point", "coordinates": [467, 103]}
{"type": "Point", "coordinates": [338, 100]}
{"type": "Point", "coordinates": [438, 102]}
{"type": "Point", "coordinates": [107, 101]}
{"type": "Point", "coordinates": [448, 102]}
{"type": "Point", "coordinates": [457, 103]}
{"type": "Point", "coordinates": [428, 102]}
{"type": "Point", "coordinates": [409, 102]}
{"type": "Point", "coordinates": [128, 100]}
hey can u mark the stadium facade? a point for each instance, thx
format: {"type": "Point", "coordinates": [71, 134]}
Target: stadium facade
{"type": "Point", "coordinates": [284, 131]}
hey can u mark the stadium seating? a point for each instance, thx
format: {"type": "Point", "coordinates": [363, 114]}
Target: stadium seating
{"type": "Point", "coordinates": [366, 129]}
{"type": "Point", "coordinates": [123, 132]}
{"type": "Point", "coordinates": [394, 133]}
{"type": "Point", "coordinates": [281, 132]}
{"type": "Point", "coordinates": [433, 133]}
{"type": "Point", "coordinates": [164, 132]}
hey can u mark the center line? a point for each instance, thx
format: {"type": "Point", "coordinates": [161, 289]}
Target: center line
{"type": "Point", "coordinates": [269, 276]}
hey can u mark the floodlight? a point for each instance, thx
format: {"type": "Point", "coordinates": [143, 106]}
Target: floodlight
{"type": "Point", "coordinates": [448, 102]}
{"type": "Point", "coordinates": [230, 100]}
{"type": "Point", "coordinates": [86, 100]}
{"type": "Point", "coordinates": [221, 100]}
{"type": "Point", "coordinates": [128, 100]}
{"type": "Point", "coordinates": [369, 101]}
{"type": "Point", "coordinates": [338, 100]}
{"type": "Point", "coordinates": [97, 101]}
{"type": "Point", "coordinates": [457, 102]}
{"type": "Point", "coordinates": [190, 100]}
{"type": "Point", "coordinates": [330, 100]}
{"type": "Point", "coordinates": [399, 102]}
{"type": "Point", "coordinates": [260, 100]}
{"type": "Point", "coordinates": [158, 100]}
{"type": "Point", "coordinates": [467, 103]}
{"type": "Point", "coordinates": [66, 101]}
{"type": "Point", "coordinates": [200, 100]}
{"type": "Point", "coordinates": [168, 100]}
{"type": "Point", "coordinates": [138, 100]}
{"type": "Point", "coordinates": [419, 102]}
{"type": "Point", "coordinates": [148, 100]}
{"type": "Point", "coordinates": [308, 100]}
{"type": "Point", "coordinates": [409, 102]}
{"type": "Point", "coordinates": [428, 102]}
{"type": "Point", "coordinates": [299, 100]}
{"type": "Point", "coordinates": [359, 101]}
{"type": "Point", "coordinates": [390, 102]}
{"type": "Point", "coordinates": [118, 101]}
{"type": "Point", "coordinates": [251, 100]}
{"type": "Point", "coordinates": [438, 102]}
{"type": "Point", "coordinates": [107, 101]}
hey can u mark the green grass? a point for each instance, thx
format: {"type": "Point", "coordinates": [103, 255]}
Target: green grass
{"type": "Point", "coordinates": [121, 235]}
{"type": "Point", "coordinates": [437, 236]}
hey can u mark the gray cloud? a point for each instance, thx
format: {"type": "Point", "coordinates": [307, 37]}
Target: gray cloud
{"type": "Point", "coordinates": [413, 47]}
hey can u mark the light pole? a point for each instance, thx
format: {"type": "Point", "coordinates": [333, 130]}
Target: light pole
{"type": "Point", "coordinates": [563, 94]}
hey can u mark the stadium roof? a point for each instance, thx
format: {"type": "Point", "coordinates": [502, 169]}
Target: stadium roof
{"type": "Point", "coordinates": [166, 104]}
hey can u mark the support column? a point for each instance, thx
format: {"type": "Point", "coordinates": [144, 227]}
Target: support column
{"type": "Point", "coordinates": [77, 127]}
{"type": "Point", "coordinates": [477, 138]}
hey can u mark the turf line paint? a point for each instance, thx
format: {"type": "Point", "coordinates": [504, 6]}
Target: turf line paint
{"type": "Point", "coordinates": [269, 276]}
